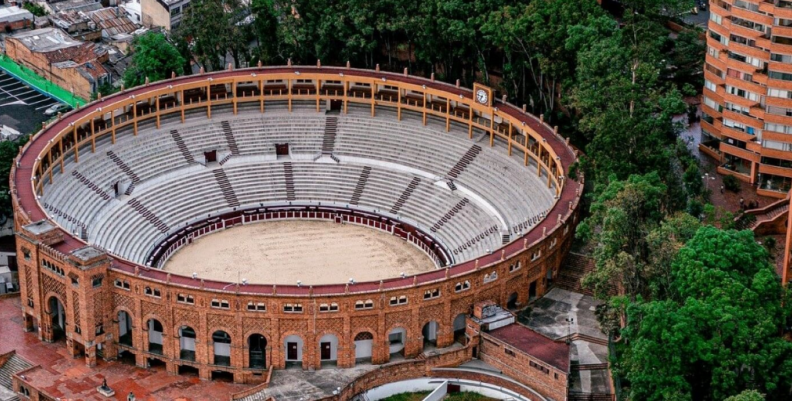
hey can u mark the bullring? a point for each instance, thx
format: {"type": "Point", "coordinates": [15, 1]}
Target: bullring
{"type": "Point", "coordinates": [105, 194]}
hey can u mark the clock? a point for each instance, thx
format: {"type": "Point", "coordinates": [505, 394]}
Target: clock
{"type": "Point", "coordinates": [482, 96]}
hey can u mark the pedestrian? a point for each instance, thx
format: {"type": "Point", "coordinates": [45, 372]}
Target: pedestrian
{"type": "Point", "coordinates": [742, 203]}
{"type": "Point", "coordinates": [721, 188]}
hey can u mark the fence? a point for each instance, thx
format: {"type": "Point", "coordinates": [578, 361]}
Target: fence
{"type": "Point", "coordinates": [42, 85]}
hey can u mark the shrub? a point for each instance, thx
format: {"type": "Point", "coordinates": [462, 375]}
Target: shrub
{"type": "Point", "coordinates": [731, 183]}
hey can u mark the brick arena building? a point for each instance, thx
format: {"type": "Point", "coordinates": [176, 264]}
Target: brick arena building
{"type": "Point", "coordinates": [104, 195]}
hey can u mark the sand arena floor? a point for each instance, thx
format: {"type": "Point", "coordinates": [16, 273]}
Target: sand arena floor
{"type": "Point", "coordinates": [314, 252]}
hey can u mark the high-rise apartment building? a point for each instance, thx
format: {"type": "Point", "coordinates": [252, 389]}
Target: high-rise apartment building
{"type": "Point", "coordinates": [747, 101]}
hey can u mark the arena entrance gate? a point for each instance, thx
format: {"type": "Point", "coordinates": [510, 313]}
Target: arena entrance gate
{"type": "Point", "coordinates": [211, 156]}
{"type": "Point", "coordinates": [281, 149]}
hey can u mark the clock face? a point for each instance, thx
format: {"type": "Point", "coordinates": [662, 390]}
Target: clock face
{"type": "Point", "coordinates": [481, 96]}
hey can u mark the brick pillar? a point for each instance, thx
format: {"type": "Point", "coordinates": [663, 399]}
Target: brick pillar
{"type": "Point", "coordinates": [204, 373]}
{"type": "Point", "coordinates": [90, 356]}
{"type": "Point", "coordinates": [110, 349]}
{"type": "Point", "coordinates": [172, 368]}
{"type": "Point", "coordinates": [275, 353]}
{"type": "Point", "coordinates": [140, 360]}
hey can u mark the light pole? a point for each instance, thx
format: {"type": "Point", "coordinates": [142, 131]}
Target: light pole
{"type": "Point", "coordinates": [569, 321]}
{"type": "Point", "coordinates": [706, 177]}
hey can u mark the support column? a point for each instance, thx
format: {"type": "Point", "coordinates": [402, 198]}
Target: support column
{"type": "Point", "coordinates": [76, 146]}
{"type": "Point", "coordinates": [209, 101]}
{"type": "Point", "coordinates": [157, 111]}
{"type": "Point", "coordinates": [90, 356]}
{"type": "Point", "coordinates": [399, 104]}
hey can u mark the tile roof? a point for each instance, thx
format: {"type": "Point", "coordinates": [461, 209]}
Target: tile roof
{"type": "Point", "coordinates": [553, 353]}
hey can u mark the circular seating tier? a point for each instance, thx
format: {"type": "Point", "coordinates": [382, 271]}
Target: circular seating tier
{"type": "Point", "coordinates": [445, 183]}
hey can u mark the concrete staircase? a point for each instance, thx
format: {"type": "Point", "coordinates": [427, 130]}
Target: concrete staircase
{"type": "Point", "coordinates": [331, 128]}
{"type": "Point", "coordinates": [229, 135]}
{"type": "Point", "coordinates": [466, 159]}
{"type": "Point", "coordinates": [288, 174]}
{"type": "Point", "coordinates": [765, 220]}
{"type": "Point", "coordinates": [405, 195]}
{"type": "Point", "coordinates": [225, 186]}
{"type": "Point", "coordinates": [361, 185]}
{"type": "Point", "coordinates": [182, 146]}
{"type": "Point", "coordinates": [11, 366]}
{"type": "Point", "coordinates": [572, 271]}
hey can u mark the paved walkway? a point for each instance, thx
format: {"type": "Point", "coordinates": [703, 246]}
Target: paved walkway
{"type": "Point", "coordinates": [300, 385]}
{"type": "Point", "coordinates": [549, 316]}
{"type": "Point", "coordinates": [69, 378]}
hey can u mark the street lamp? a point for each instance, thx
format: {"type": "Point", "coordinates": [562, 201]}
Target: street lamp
{"type": "Point", "coordinates": [706, 177]}
{"type": "Point", "coordinates": [569, 321]}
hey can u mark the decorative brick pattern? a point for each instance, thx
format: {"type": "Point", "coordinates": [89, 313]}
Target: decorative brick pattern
{"type": "Point", "coordinates": [330, 326]}
{"type": "Point", "coordinates": [76, 308]}
{"type": "Point", "coordinates": [49, 284]}
{"type": "Point", "coordinates": [403, 319]}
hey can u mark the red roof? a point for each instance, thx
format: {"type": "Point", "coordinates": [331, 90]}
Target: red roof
{"type": "Point", "coordinates": [553, 353]}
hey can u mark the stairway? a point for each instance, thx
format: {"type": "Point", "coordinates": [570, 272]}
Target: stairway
{"type": "Point", "coordinates": [289, 175]}
{"type": "Point", "coordinates": [505, 239]}
{"type": "Point", "coordinates": [13, 365]}
{"type": "Point", "coordinates": [328, 142]}
{"type": "Point", "coordinates": [764, 216]}
{"type": "Point", "coordinates": [229, 135]}
{"type": "Point", "coordinates": [447, 217]}
{"type": "Point", "coordinates": [573, 269]}
{"type": "Point", "coordinates": [126, 169]}
{"type": "Point", "coordinates": [405, 195]}
{"type": "Point", "coordinates": [85, 181]}
{"type": "Point", "coordinates": [182, 146]}
{"type": "Point", "coordinates": [361, 185]}
{"type": "Point", "coordinates": [225, 186]}
{"type": "Point", "coordinates": [148, 215]}
{"type": "Point", "coordinates": [466, 159]}
{"type": "Point", "coordinates": [452, 186]}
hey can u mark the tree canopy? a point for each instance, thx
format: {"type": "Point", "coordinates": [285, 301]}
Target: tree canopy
{"type": "Point", "coordinates": [154, 58]}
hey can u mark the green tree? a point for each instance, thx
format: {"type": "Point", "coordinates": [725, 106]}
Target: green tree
{"type": "Point", "coordinates": [8, 151]}
{"type": "Point", "coordinates": [623, 213]}
{"type": "Point", "coordinates": [718, 333]}
{"type": "Point", "coordinates": [153, 57]}
{"type": "Point", "coordinates": [747, 395]}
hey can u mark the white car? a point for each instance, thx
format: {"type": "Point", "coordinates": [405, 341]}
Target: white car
{"type": "Point", "coordinates": [57, 108]}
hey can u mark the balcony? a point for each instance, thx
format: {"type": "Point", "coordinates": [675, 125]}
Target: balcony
{"type": "Point", "coordinates": [187, 355]}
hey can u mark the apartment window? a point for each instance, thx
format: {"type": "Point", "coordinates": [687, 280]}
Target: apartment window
{"type": "Point", "coordinates": [367, 304]}
{"type": "Point", "coordinates": [713, 70]}
{"type": "Point", "coordinates": [736, 108]}
{"type": "Point", "coordinates": [121, 284]}
{"type": "Point", "coordinates": [785, 94]}
{"type": "Point", "coordinates": [96, 282]}
{"type": "Point", "coordinates": [462, 286]}
{"type": "Point", "coordinates": [711, 103]}
{"type": "Point", "coordinates": [748, 24]}
{"type": "Point", "coordinates": [784, 76]}
{"type": "Point", "coordinates": [787, 147]}
{"type": "Point", "coordinates": [185, 299]}
{"type": "Point", "coordinates": [779, 111]}
{"type": "Point", "coordinates": [739, 75]}
{"type": "Point", "coordinates": [742, 93]}
{"type": "Point", "coordinates": [713, 51]}
{"type": "Point", "coordinates": [333, 307]}
{"type": "Point", "coordinates": [741, 40]}
{"type": "Point", "coordinates": [152, 292]}
{"type": "Point", "coordinates": [77, 330]}
{"type": "Point", "coordinates": [99, 329]}
{"type": "Point", "coordinates": [746, 59]}
{"type": "Point", "coordinates": [220, 304]}
{"type": "Point", "coordinates": [30, 302]}
{"type": "Point", "coordinates": [432, 294]}
{"type": "Point", "coordinates": [508, 352]}
{"type": "Point", "coordinates": [293, 308]}
{"type": "Point", "coordinates": [777, 162]}
{"type": "Point", "coordinates": [781, 58]}
{"type": "Point", "coordinates": [746, 5]}
{"type": "Point", "coordinates": [710, 85]}
{"type": "Point", "coordinates": [402, 300]}
{"type": "Point", "coordinates": [26, 253]}
{"type": "Point", "coordinates": [740, 127]}
{"type": "Point", "coordinates": [781, 128]}
{"type": "Point", "coordinates": [714, 35]}
{"type": "Point", "coordinates": [716, 18]}
{"type": "Point", "coordinates": [783, 22]}
{"type": "Point", "coordinates": [782, 40]}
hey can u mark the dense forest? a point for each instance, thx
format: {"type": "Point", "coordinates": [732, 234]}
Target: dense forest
{"type": "Point", "coordinates": [698, 312]}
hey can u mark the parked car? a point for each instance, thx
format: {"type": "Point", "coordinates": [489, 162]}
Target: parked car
{"type": "Point", "coordinates": [57, 108]}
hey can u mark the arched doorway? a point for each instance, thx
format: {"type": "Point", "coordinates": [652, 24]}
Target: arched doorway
{"type": "Point", "coordinates": [512, 302]}
{"type": "Point", "coordinates": [328, 350]}
{"type": "Point", "coordinates": [396, 340]}
{"type": "Point", "coordinates": [58, 316]}
{"type": "Point", "coordinates": [154, 336]}
{"type": "Point", "coordinates": [222, 348]}
{"type": "Point", "coordinates": [292, 349]}
{"type": "Point", "coordinates": [124, 329]}
{"type": "Point", "coordinates": [257, 352]}
{"type": "Point", "coordinates": [364, 347]}
{"type": "Point", "coordinates": [429, 333]}
{"type": "Point", "coordinates": [187, 343]}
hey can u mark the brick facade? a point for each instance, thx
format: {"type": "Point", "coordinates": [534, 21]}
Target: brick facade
{"type": "Point", "coordinates": [63, 269]}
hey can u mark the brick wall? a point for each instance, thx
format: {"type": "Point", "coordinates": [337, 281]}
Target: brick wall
{"type": "Point", "coordinates": [67, 78]}
{"type": "Point", "coordinates": [550, 382]}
